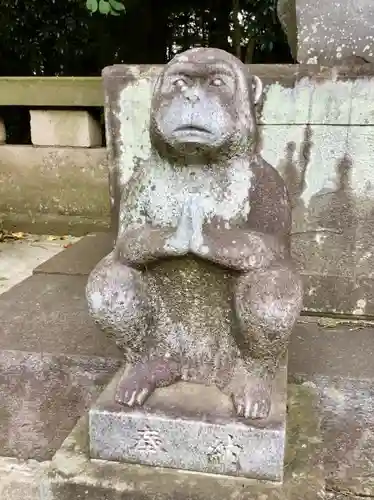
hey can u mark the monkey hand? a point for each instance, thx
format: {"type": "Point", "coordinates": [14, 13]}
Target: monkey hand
{"type": "Point", "coordinates": [179, 242]}
{"type": "Point", "coordinates": [144, 245]}
{"type": "Point", "coordinates": [238, 248]}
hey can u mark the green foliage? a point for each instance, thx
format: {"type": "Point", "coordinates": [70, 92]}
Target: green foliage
{"type": "Point", "coordinates": [113, 7]}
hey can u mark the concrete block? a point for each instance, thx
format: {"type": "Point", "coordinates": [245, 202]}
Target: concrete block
{"type": "Point", "coordinates": [191, 427]}
{"type": "Point", "coordinates": [54, 184]}
{"type": "Point", "coordinates": [64, 128]}
{"type": "Point", "coordinates": [80, 258]}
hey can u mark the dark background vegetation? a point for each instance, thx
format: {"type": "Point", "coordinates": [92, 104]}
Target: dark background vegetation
{"type": "Point", "coordinates": [65, 38]}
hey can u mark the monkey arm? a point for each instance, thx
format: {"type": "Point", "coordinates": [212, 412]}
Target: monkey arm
{"type": "Point", "coordinates": [265, 237]}
{"type": "Point", "coordinates": [141, 246]}
{"type": "Point", "coordinates": [241, 249]}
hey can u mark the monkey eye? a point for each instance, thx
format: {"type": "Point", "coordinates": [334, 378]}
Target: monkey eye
{"type": "Point", "coordinates": [217, 82]}
{"type": "Point", "coordinates": [180, 83]}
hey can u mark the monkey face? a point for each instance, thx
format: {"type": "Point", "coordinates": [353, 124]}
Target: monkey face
{"type": "Point", "coordinates": [201, 103]}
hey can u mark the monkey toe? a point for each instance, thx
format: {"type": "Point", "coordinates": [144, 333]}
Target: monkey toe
{"type": "Point", "coordinates": [252, 400]}
{"type": "Point", "coordinates": [131, 392]}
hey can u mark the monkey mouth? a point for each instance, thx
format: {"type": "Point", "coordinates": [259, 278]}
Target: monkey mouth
{"type": "Point", "coordinates": [192, 129]}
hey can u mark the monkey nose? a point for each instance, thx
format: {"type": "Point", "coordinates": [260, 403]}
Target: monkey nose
{"type": "Point", "coordinates": [192, 96]}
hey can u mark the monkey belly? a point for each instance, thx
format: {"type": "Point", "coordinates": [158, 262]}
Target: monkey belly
{"type": "Point", "coordinates": [195, 319]}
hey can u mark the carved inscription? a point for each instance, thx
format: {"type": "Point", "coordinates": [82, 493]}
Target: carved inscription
{"type": "Point", "coordinates": [149, 441]}
{"type": "Point", "coordinates": [227, 453]}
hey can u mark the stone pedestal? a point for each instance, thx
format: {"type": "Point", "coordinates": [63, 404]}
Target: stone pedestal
{"type": "Point", "coordinates": [191, 427]}
{"type": "Point", "coordinates": [72, 474]}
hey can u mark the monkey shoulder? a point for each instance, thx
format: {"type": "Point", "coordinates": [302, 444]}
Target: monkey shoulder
{"type": "Point", "coordinates": [270, 204]}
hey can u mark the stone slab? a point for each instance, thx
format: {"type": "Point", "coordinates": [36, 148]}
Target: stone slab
{"type": "Point", "coordinates": [41, 397]}
{"type": "Point", "coordinates": [80, 258]}
{"type": "Point", "coordinates": [191, 427]}
{"type": "Point", "coordinates": [48, 313]}
{"type": "Point", "coordinates": [59, 181]}
{"type": "Point", "coordinates": [347, 408]}
{"type": "Point", "coordinates": [56, 127]}
{"type": "Point", "coordinates": [331, 347]}
{"type": "Point", "coordinates": [18, 257]}
{"type": "Point", "coordinates": [73, 475]}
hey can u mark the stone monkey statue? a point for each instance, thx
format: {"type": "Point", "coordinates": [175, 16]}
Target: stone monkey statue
{"type": "Point", "coordinates": [207, 208]}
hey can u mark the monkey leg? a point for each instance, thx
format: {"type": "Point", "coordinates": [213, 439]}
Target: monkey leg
{"type": "Point", "coordinates": [144, 377]}
{"type": "Point", "coordinates": [119, 302]}
{"type": "Point", "coordinates": [267, 303]}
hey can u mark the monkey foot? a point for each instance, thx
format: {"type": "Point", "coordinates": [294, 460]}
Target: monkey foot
{"type": "Point", "coordinates": [135, 387]}
{"type": "Point", "coordinates": [251, 396]}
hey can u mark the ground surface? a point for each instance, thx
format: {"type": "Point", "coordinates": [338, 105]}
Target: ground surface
{"type": "Point", "coordinates": [21, 253]}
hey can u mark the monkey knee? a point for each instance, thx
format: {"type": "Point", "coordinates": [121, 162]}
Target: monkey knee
{"type": "Point", "coordinates": [116, 294]}
{"type": "Point", "coordinates": [268, 302]}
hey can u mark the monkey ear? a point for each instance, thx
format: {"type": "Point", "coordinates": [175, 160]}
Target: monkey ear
{"type": "Point", "coordinates": [257, 88]}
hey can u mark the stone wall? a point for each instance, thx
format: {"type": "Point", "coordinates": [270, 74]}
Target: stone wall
{"type": "Point", "coordinates": [317, 129]}
{"type": "Point", "coordinates": [59, 182]}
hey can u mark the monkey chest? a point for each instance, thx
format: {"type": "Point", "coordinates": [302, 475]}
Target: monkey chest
{"type": "Point", "coordinates": [165, 208]}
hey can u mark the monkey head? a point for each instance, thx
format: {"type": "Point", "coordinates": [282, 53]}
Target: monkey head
{"type": "Point", "coordinates": [203, 106]}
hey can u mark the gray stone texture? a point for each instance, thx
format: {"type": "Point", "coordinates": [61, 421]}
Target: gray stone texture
{"type": "Point", "coordinates": [328, 31]}
{"type": "Point", "coordinates": [59, 188]}
{"type": "Point", "coordinates": [73, 475]}
{"type": "Point", "coordinates": [41, 397]}
{"type": "Point", "coordinates": [191, 427]}
{"type": "Point", "coordinates": [53, 361]}
{"type": "Point", "coordinates": [47, 313]}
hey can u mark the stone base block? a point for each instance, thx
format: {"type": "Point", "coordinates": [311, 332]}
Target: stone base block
{"type": "Point", "coordinates": [64, 128]}
{"type": "Point", "coordinates": [73, 475]}
{"type": "Point", "coordinates": [191, 427]}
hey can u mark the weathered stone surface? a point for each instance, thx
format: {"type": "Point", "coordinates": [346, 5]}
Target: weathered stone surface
{"type": "Point", "coordinates": [21, 480]}
{"type": "Point", "coordinates": [49, 183]}
{"type": "Point", "coordinates": [42, 396]}
{"type": "Point", "coordinates": [331, 348]}
{"type": "Point", "coordinates": [48, 313]}
{"type": "Point", "coordinates": [64, 128]}
{"type": "Point", "coordinates": [191, 427]}
{"type": "Point", "coordinates": [342, 370]}
{"type": "Point", "coordinates": [73, 475]}
{"type": "Point", "coordinates": [80, 258]}
{"type": "Point", "coordinates": [328, 31]}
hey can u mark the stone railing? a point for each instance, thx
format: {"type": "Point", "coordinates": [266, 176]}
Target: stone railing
{"type": "Point", "coordinates": [59, 181]}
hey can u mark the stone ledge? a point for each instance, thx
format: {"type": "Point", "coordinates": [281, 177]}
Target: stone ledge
{"type": "Point", "coordinates": [54, 224]}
